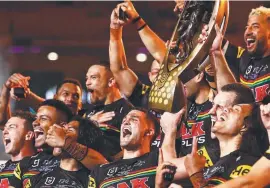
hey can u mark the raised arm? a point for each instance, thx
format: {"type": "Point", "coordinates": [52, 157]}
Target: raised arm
{"type": "Point", "coordinates": [151, 40]}
{"type": "Point", "coordinates": [15, 80]}
{"type": "Point", "coordinates": [224, 75]}
{"type": "Point", "coordinates": [169, 122]}
{"type": "Point", "coordinates": [124, 76]}
{"type": "Point", "coordinates": [4, 106]}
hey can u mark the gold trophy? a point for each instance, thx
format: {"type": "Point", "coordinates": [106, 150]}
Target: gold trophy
{"type": "Point", "coordinates": [167, 93]}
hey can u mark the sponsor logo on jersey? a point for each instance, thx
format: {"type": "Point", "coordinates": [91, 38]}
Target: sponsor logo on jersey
{"type": "Point", "coordinates": [203, 151]}
{"type": "Point", "coordinates": [49, 180]}
{"type": "Point", "coordinates": [91, 183]}
{"type": "Point", "coordinates": [17, 171]}
{"type": "Point", "coordinates": [240, 171]}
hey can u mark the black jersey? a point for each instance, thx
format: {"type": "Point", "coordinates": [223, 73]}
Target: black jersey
{"type": "Point", "coordinates": [136, 172]}
{"type": "Point", "coordinates": [139, 96]}
{"type": "Point", "coordinates": [230, 166]}
{"type": "Point", "coordinates": [198, 124]}
{"type": "Point", "coordinates": [252, 72]}
{"type": "Point", "coordinates": [43, 162]}
{"type": "Point", "coordinates": [6, 173]}
{"type": "Point", "coordinates": [111, 142]}
{"type": "Point", "coordinates": [60, 178]}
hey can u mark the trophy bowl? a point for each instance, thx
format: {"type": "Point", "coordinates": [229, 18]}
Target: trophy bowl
{"type": "Point", "coordinates": [167, 93]}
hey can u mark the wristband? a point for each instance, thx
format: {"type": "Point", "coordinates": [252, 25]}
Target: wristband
{"type": "Point", "coordinates": [143, 26]}
{"type": "Point", "coordinates": [76, 150]}
{"type": "Point", "coordinates": [195, 173]}
{"type": "Point", "coordinates": [136, 19]}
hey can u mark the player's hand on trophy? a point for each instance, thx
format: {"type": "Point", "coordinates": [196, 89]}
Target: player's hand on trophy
{"type": "Point", "coordinates": [179, 6]}
{"type": "Point", "coordinates": [217, 41]}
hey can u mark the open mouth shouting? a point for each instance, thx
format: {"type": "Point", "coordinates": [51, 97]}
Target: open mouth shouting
{"type": "Point", "coordinates": [39, 134]}
{"type": "Point", "coordinates": [126, 131]}
{"type": "Point", "coordinates": [250, 42]}
{"type": "Point", "coordinates": [215, 119]}
{"type": "Point", "coordinates": [7, 142]}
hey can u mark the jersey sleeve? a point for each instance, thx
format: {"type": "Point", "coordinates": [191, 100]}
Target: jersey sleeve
{"type": "Point", "coordinates": [138, 94]}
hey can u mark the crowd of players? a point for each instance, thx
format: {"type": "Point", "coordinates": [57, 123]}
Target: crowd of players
{"type": "Point", "coordinates": [221, 135]}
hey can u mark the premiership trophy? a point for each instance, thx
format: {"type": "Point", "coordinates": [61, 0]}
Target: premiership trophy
{"type": "Point", "coordinates": [167, 92]}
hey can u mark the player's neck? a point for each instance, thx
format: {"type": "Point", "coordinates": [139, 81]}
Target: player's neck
{"type": "Point", "coordinates": [203, 95]}
{"type": "Point", "coordinates": [129, 154]}
{"type": "Point", "coordinates": [113, 96]}
{"type": "Point", "coordinates": [26, 151]}
{"type": "Point", "coordinates": [70, 164]}
{"type": "Point", "coordinates": [228, 144]}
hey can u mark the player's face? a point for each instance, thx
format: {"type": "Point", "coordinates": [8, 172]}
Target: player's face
{"type": "Point", "coordinates": [191, 88]}
{"type": "Point", "coordinates": [97, 83]}
{"type": "Point", "coordinates": [227, 117]}
{"type": "Point", "coordinates": [46, 117]}
{"type": "Point", "coordinates": [14, 135]}
{"type": "Point", "coordinates": [72, 131]}
{"type": "Point", "coordinates": [154, 71]}
{"type": "Point", "coordinates": [133, 130]}
{"type": "Point", "coordinates": [257, 35]}
{"type": "Point", "coordinates": [71, 95]}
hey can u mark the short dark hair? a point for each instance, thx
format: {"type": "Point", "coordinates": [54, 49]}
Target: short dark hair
{"type": "Point", "coordinates": [243, 93]}
{"type": "Point", "coordinates": [106, 65]}
{"type": "Point", "coordinates": [153, 119]}
{"type": "Point", "coordinates": [27, 116]}
{"type": "Point", "coordinates": [58, 105]}
{"type": "Point", "coordinates": [68, 80]}
{"type": "Point", "coordinates": [90, 134]}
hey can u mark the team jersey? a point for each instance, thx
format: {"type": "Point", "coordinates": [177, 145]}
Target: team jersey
{"type": "Point", "coordinates": [198, 124]}
{"type": "Point", "coordinates": [230, 166]}
{"type": "Point", "coordinates": [43, 162]}
{"type": "Point", "coordinates": [135, 172]}
{"type": "Point", "coordinates": [139, 96]}
{"type": "Point", "coordinates": [111, 129]}
{"type": "Point", "coordinates": [252, 72]}
{"type": "Point", "coordinates": [60, 178]}
{"type": "Point", "coordinates": [6, 173]}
